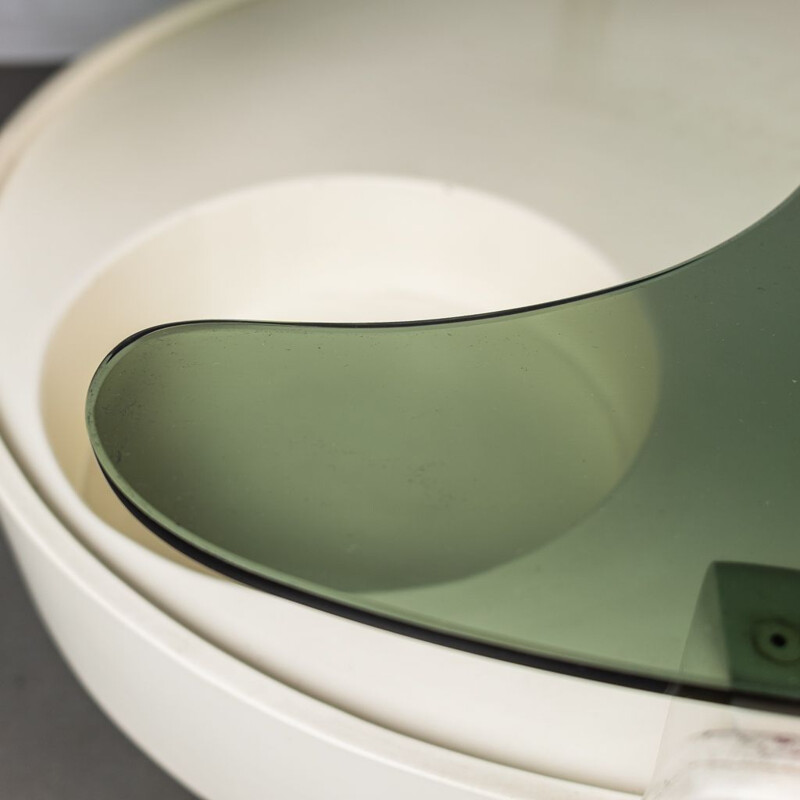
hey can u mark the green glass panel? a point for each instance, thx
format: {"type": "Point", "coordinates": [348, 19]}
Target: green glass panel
{"type": "Point", "coordinates": [550, 483]}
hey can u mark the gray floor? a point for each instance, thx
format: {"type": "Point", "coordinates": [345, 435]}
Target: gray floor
{"type": "Point", "coordinates": [55, 744]}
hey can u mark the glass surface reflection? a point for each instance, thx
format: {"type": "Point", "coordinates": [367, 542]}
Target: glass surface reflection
{"type": "Point", "coordinates": [515, 481]}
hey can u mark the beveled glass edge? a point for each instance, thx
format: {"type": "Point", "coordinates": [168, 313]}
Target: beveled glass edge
{"type": "Point", "coordinates": [572, 667]}
{"type": "Point", "coordinates": [575, 668]}
{"type": "Point", "coordinates": [616, 288]}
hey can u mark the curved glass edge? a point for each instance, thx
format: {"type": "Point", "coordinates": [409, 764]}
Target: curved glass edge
{"type": "Point", "coordinates": [621, 674]}
{"type": "Point", "coordinates": [756, 699]}
{"type": "Point", "coordinates": [787, 204]}
{"type": "Point", "coordinates": [464, 642]}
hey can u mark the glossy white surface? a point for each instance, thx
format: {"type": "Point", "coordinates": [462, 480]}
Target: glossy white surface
{"type": "Point", "coordinates": [638, 162]}
{"type": "Point", "coordinates": [225, 730]}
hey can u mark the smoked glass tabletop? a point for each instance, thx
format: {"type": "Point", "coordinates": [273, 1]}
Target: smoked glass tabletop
{"type": "Point", "coordinates": [606, 486]}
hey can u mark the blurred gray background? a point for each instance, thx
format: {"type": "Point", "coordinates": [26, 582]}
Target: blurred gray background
{"type": "Point", "coordinates": [55, 744]}
{"type": "Point", "coordinates": [48, 30]}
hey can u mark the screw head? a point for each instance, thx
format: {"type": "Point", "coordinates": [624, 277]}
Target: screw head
{"type": "Point", "coordinates": [777, 640]}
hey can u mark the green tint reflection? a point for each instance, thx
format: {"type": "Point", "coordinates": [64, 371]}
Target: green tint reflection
{"type": "Point", "coordinates": [523, 479]}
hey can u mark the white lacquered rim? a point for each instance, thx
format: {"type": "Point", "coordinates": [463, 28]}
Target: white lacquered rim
{"type": "Point", "coordinates": [245, 686]}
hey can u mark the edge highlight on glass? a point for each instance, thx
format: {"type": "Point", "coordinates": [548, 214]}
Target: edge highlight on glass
{"type": "Point", "coordinates": [504, 483]}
